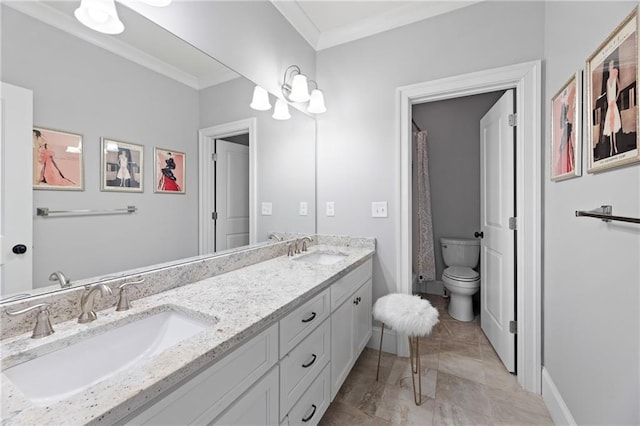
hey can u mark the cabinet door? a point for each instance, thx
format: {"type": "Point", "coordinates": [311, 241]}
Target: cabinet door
{"type": "Point", "coordinates": [362, 318]}
{"type": "Point", "coordinates": [259, 406]}
{"type": "Point", "coordinates": [341, 345]}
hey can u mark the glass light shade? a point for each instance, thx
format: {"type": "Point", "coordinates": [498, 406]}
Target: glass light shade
{"type": "Point", "coordinates": [260, 99]}
{"type": "Point", "coordinates": [99, 15]}
{"type": "Point", "coordinates": [281, 111]}
{"type": "Point", "coordinates": [316, 104]}
{"type": "Point", "coordinates": [299, 89]}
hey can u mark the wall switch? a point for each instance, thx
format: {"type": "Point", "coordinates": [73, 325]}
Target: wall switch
{"type": "Point", "coordinates": [379, 209]}
{"type": "Point", "coordinates": [331, 211]}
{"type": "Point", "coordinates": [266, 209]}
{"type": "Point", "coordinates": [303, 208]}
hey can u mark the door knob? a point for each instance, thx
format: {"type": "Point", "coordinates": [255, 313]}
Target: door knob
{"type": "Point", "coordinates": [478, 234]}
{"type": "Point", "coordinates": [19, 249]}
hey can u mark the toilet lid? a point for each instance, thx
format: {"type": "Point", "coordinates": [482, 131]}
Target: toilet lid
{"type": "Point", "coordinates": [461, 273]}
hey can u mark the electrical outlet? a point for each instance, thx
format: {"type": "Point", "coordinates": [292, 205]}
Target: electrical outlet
{"type": "Point", "coordinates": [303, 208]}
{"type": "Point", "coordinates": [267, 208]}
{"type": "Point", "coordinates": [379, 209]}
{"type": "Point", "coordinates": [331, 210]}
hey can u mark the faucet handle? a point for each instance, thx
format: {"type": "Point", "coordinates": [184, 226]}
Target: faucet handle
{"type": "Point", "coordinates": [43, 325]}
{"type": "Point", "coordinates": [123, 301]}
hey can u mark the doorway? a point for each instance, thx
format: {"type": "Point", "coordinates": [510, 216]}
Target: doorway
{"type": "Point", "coordinates": [526, 80]}
{"type": "Point", "coordinates": [211, 139]}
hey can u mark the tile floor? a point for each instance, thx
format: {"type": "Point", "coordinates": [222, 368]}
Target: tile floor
{"type": "Point", "coordinates": [463, 383]}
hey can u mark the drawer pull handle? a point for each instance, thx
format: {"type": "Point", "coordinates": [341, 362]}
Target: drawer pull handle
{"type": "Point", "coordinates": [311, 318]}
{"type": "Point", "coordinates": [310, 362]}
{"type": "Point", "coordinates": [306, 419]}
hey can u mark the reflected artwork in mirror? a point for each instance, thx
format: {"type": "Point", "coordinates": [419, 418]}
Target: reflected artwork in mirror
{"type": "Point", "coordinates": [148, 86]}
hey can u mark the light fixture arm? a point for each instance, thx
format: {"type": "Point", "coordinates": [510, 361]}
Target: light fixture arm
{"type": "Point", "coordinates": [289, 73]}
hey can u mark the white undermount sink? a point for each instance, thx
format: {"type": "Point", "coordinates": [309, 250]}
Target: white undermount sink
{"type": "Point", "coordinates": [67, 371]}
{"type": "Point", "coordinates": [322, 257]}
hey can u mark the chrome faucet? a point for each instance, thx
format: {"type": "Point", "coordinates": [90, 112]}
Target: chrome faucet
{"type": "Point", "coordinates": [273, 235]}
{"type": "Point", "coordinates": [59, 276]}
{"type": "Point", "coordinates": [43, 325]}
{"type": "Point", "coordinates": [87, 299]}
{"type": "Point", "coordinates": [304, 242]}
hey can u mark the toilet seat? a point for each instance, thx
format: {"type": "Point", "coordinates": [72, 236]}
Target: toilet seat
{"type": "Point", "coordinates": [461, 274]}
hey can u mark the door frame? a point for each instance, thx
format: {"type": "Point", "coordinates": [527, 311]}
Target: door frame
{"type": "Point", "coordinates": [525, 78]}
{"type": "Point", "coordinates": [207, 185]}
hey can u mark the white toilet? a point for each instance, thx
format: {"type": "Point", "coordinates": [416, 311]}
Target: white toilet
{"type": "Point", "coordinates": [462, 282]}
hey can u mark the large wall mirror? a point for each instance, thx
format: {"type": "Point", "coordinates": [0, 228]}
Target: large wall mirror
{"type": "Point", "coordinates": [143, 95]}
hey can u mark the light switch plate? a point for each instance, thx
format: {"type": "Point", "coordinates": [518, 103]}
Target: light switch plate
{"type": "Point", "coordinates": [304, 210]}
{"type": "Point", "coordinates": [379, 209]}
{"type": "Point", "coordinates": [267, 208]}
{"type": "Point", "coordinates": [331, 210]}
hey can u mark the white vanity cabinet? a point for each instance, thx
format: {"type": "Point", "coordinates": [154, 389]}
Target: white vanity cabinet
{"type": "Point", "coordinates": [350, 322]}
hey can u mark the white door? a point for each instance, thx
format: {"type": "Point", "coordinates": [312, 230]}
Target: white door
{"type": "Point", "coordinates": [16, 181]}
{"type": "Point", "coordinates": [232, 195]}
{"type": "Point", "coordinates": [497, 254]}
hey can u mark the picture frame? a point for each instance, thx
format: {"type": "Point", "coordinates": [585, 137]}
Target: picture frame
{"type": "Point", "coordinates": [566, 130]}
{"type": "Point", "coordinates": [170, 171]}
{"type": "Point", "coordinates": [58, 160]}
{"type": "Point", "coordinates": [613, 116]}
{"type": "Point", "coordinates": [122, 165]}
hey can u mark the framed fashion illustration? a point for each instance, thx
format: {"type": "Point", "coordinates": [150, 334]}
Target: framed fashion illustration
{"type": "Point", "coordinates": [613, 117]}
{"type": "Point", "coordinates": [122, 166]}
{"type": "Point", "coordinates": [566, 130]}
{"type": "Point", "coordinates": [170, 168]}
{"type": "Point", "coordinates": [57, 160]}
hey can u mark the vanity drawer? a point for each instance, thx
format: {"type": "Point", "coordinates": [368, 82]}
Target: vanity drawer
{"type": "Point", "coordinates": [301, 366]}
{"type": "Point", "coordinates": [345, 286]}
{"type": "Point", "coordinates": [211, 391]}
{"type": "Point", "coordinates": [299, 323]}
{"type": "Point", "coordinates": [313, 403]}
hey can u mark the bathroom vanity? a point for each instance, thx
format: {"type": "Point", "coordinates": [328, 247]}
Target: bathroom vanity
{"type": "Point", "coordinates": [272, 343]}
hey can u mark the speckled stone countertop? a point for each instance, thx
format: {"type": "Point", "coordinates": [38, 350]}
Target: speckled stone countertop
{"type": "Point", "coordinates": [239, 304]}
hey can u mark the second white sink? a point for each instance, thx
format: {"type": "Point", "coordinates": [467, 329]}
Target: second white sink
{"type": "Point", "coordinates": [67, 371]}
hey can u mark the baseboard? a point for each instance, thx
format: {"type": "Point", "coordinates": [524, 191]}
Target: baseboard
{"type": "Point", "coordinates": [555, 404]}
{"type": "Point", "coordinates": [390, 342]}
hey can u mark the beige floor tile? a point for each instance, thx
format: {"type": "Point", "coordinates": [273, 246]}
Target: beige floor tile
{"type": "Point", "coordinates": [468, 349]}
{"type": "Point", "coordinates": [395, 408]}
{"type": "Point", "coordinates": [462, 366]}
{"type": "Point", "coordinates": [341, 414]}
{"type": "Point", "coordinates": [518, 407]}
{"type": "Point", "coordinates": [454, 415]}
{"type": "Point", "coordinates": [466, 394]}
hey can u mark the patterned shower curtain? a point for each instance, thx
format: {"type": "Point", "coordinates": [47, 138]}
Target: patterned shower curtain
{"type": "Point", "coordinates": [424, 228]}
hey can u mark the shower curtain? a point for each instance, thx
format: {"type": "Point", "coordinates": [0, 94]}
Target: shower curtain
{"type": "Point", "coordinates": [426, 256]}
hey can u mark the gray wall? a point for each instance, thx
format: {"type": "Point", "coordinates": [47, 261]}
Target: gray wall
{"type": "Point", "coordinates": [83, 89]}
{"type": "Point", "coordinates": [286, 153]}
{"type": "Point", "coordinates": [591, 269]}
{"type": "Point", "coordinates": [453, 141]}
{"type": "Point", "coordinates": [358, 135]}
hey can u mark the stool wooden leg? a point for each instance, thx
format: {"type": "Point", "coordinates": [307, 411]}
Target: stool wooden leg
{"type": "Point", "coordinates": [380, 352]}
{"type": "Point", "coordinates": [415, 353]}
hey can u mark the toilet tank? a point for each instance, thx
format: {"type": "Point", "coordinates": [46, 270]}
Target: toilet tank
{"type": "Point", "coordinates": [460, 251]}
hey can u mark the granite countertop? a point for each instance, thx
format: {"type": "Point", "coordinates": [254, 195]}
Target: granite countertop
{"type": "Point", "coordinates": [238, 304]}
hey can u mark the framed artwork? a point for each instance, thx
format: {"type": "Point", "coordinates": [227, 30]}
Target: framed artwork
{"type": "Point", "coordinates": [566, 126]}
{"type": "Point", "coordinates": [169, 171]}
{"type": "Point", "coordinates": [122, 166]}
{"type": "Point", "coordinates": [57, 160]}
{"type": "Point", "coordinates": [612, 104]}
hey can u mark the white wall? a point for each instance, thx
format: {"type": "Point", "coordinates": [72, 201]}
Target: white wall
{"type": "Point", "coordinates": [286, 152]}
{"type": "Point", "coordinates": [591, 269]}
{"type": "Point", "coordinates": [453, 142]}
{"type": "Point", "coordinates": [358, 135]}
{"type": "Point", "coordinates": [83, 89]}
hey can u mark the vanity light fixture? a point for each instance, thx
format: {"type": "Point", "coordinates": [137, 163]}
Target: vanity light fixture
{"type": "Point", "coordinates": [102, 16]}
{"type": "Point", "coordinates": [281, 111]}
{"type": "Point", "coordinates": [295, 88]}
{"type": "Point", "coordinates": [260, 100]}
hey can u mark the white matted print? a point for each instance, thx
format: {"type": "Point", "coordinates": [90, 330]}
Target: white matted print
{"type": "Point", "coordinates": [57, 160]}
{"type": "Point", "coordinates": [170, 171]}
{"type": "Point", "coordinates": [122, 166]}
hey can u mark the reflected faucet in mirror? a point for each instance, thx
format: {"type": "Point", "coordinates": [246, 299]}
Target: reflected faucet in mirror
{"type": "Point", "coordinates": [274, 236]}
{"type": "Point", "coordinates": [61, 278]}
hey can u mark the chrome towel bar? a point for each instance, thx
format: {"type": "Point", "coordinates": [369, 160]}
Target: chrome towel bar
{"type": "Point", "coordinates": [604, 213]}
{"type": "Point", "coordinates": [45, 212]}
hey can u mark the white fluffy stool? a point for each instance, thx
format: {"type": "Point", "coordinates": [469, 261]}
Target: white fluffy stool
{"type": "Point", "coordinates": [409, 315]}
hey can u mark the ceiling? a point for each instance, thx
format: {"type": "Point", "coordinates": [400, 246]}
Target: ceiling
{"type": "Point", "coordinates": [328, 23]}
{"type": "Point", "coordinates": [323, 23]}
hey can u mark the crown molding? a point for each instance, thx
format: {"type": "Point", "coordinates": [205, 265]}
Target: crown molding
{"type": "Point", "coordinates": [299, 20]}
{"type": "Point", "coordinates": [68, 24]}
